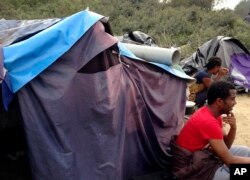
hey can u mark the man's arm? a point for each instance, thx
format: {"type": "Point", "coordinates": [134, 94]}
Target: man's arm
{"type": "Point", "coordinates": [207, 81]}
{"type": "Point", "coordinates": [230, 136]}
{"type": "Point", "coordinates": [220, 148]}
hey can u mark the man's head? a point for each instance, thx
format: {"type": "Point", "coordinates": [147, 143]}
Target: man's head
{"type": "Point", "coordinates": [214, 64]}
{"type": "Point", "coordinates": [222, 94]}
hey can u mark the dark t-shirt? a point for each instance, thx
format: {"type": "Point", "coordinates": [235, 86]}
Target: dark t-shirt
{"type": "Point", "coordinates": [202, 95]}
{"type": "Point", "coordinates": [202, 74]}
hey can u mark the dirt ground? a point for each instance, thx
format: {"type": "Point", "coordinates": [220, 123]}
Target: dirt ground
{"type": "Point", "coordinates": [242, 113]}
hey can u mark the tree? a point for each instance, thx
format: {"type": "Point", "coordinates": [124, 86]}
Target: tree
{"type": "Point", "coordinates": [243, 8]}
{"type": "Point", "coordinates": [182, 23]}
{"type": "Point", "coordinates": [204, 4]}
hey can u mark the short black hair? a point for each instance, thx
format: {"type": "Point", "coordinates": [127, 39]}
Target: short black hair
{"type": "Point", "coordinates": [219, 89]}
{"type": "Point", "coordinates": [213, 62]}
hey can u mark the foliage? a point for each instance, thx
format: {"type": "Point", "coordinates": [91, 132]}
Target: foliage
{"type": "Point", "coordinates": [204, 4]}
{"type": "Point", "coordinates": [243, 8]}
{"type": "Point", "coordinates": [180, 23]}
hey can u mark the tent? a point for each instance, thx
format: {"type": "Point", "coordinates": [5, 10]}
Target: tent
{"type": "Point", "coordinates": [234, 54]}
{"type": "Point", "coordinates": [137, 37]}
{"type": "Point", "coordinates": [89, 108]}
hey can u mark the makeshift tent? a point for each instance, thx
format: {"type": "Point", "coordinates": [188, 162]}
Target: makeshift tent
{"type": "Point", "coordinates": [90, 108]}
{"type": "Point", "coordinates": [233, 53]}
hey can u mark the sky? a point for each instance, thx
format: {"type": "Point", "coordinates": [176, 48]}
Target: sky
{"type": "Point", "coordinates": [227, 4]}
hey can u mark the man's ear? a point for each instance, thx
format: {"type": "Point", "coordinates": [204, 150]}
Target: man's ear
{"type": "Point", "coordinates": [219, 102]}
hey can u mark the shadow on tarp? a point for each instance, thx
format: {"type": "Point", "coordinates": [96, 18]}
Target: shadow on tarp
{"type": "Point", "coordinates": [13, 156]}
{"type": "Point", "coordinates": [14, 167]}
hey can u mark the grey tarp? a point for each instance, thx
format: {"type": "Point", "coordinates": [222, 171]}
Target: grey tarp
{"type": "Point", "coordinates": [234, 56]}
{"type": "Point", "coordinates": [90, 116]}
{"type": "Point", "coordinates": [12, 30]}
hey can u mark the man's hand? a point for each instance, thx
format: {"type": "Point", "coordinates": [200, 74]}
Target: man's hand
{"type": "Point", "coordinates": [223, 71]}
{"type": "Point", "coordinates": [230, 136]}
{"type": "Point", "coordinates": [230, 119]}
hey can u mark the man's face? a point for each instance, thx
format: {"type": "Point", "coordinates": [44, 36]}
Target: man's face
{"type": "Point", "coordinates": [229, 102]}
{"type": "Point", "coordinates": [216, 69]}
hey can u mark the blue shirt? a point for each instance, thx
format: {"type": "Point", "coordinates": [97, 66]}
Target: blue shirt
{"type": "Point", "coordinates": [202, 74]}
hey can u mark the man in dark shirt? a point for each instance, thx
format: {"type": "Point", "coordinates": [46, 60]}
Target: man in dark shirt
{"type": "Point", "coordinates": [204, 79]}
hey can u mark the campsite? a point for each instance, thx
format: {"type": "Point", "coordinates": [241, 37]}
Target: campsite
{"type": "Point", "coordinates": [94, 91]}
{"type": "Point", "coordinates": [90, 111]}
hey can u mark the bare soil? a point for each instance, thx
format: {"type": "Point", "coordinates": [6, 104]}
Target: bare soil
{"type": "Point", "coordinates": [242, 113]}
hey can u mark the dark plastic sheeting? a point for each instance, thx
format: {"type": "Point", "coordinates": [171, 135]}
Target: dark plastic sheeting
{"type": "Point", "coordinates": [93, 116]}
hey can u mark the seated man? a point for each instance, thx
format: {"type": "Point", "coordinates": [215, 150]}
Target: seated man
{"type": "Point", "coordinates": [198, 91]}
{"type": "Point", "coordinates": [203, 150]}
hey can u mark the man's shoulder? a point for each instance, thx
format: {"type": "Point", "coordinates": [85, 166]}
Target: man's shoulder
{"type": "Point", "coordinates": [202, 73]}
{"type": "Point", "coordinates": [202, 113]}
{"type": "Point", "coordinates": [202, 110]}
